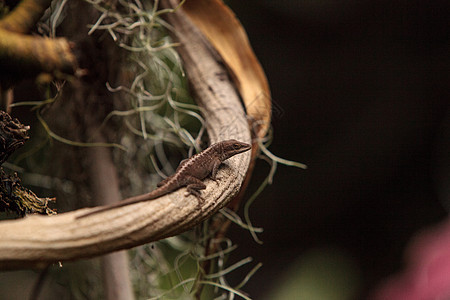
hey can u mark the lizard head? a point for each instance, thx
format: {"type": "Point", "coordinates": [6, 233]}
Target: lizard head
{"type": "Point", "coordinates": [233, 147]}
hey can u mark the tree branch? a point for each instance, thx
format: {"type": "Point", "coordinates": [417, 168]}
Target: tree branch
{"type": "Point", "coordinates": [37, 241]}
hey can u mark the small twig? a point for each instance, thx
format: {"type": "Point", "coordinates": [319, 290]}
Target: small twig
{"type": "Point", "coordinates": [38, 285]}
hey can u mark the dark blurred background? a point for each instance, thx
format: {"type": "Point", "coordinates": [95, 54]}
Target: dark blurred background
{"type": "Point", "coordinates": [360, 95]}
{"type": "Point", "coordinates": [360, 90]}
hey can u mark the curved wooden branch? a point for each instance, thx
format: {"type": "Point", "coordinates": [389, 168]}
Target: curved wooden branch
{"type": "Point", "coordinates": [37, 241]}
{"type": "Point", "coordinates": [228, 37]}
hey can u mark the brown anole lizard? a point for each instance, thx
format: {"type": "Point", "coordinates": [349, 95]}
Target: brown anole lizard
{"type": "Point", "coordinates": [189, 174]}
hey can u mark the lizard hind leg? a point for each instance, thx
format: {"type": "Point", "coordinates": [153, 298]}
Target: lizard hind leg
{"type": "Point", "coordinates": [194, 187]}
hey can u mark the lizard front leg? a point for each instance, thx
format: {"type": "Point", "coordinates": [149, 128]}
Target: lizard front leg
{"type": "Point", "coordinates": [215, 169]}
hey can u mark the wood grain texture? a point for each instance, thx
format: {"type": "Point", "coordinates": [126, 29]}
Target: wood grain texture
{"type": "Point", "coordinates": [228, 37]}
{"type": "Point", "coordinates": [37, 241]}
